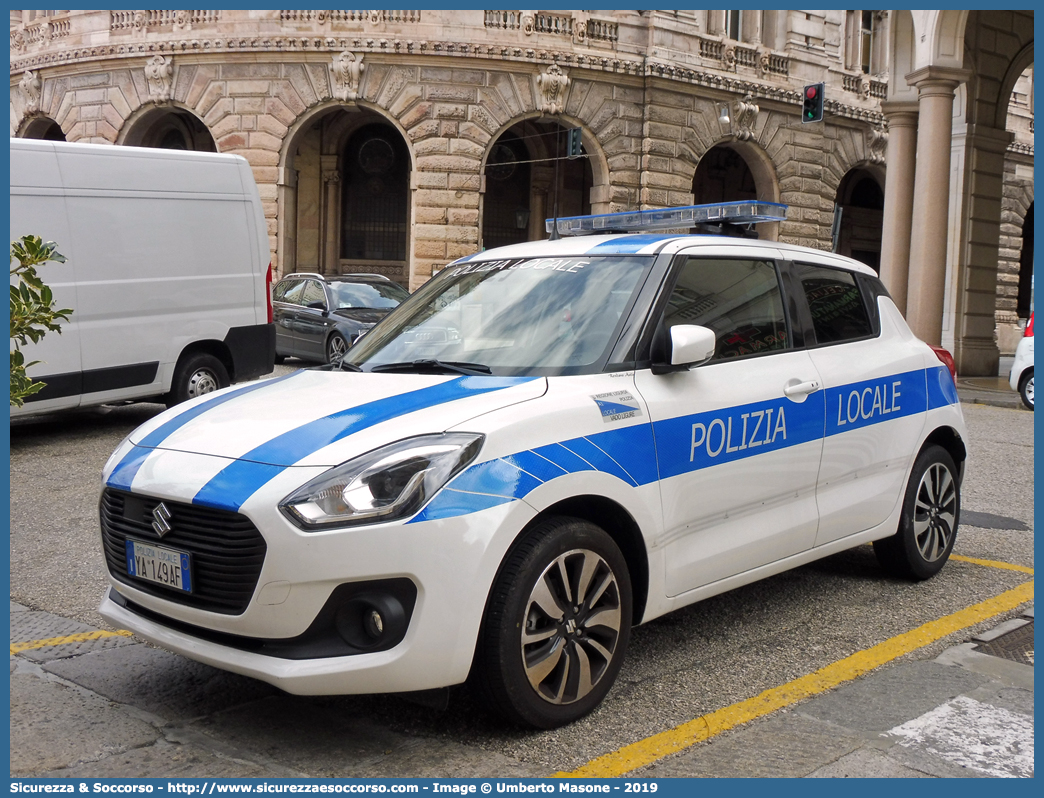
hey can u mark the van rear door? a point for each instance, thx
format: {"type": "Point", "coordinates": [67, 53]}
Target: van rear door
{"type": "Point", "coordinates": [38, 207]}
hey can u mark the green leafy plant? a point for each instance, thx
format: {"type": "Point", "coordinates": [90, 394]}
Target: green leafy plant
{"type": "Point", "coordinates": [33, 314]}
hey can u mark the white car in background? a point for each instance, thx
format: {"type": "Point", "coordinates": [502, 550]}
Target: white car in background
{"type": "Point", "coordinates": [1021, 378]}
{"type": "Point", "coordinates": [546, 444]}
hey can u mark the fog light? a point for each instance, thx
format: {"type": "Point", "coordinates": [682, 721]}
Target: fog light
{"type": "Point", "coordinates": [374, 624]}
{"type": "Point", "coordinates": [371, 621]}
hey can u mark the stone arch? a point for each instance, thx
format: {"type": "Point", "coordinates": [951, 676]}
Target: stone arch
{"type": "Point", "coordinates": [755, 179]}
{"type": "Point", "coordinates": [544, 137]}
{"type": "Point", "coordinates": [1014, 261]}
{"type": "Point", "coordinates": [1022, 61]}
{"type": "Point", "coordinates": [41, 127]}
{"type": "Point", "coordinates": [170, 126]}
{"type": "Point", "coordinates": [310, 175]}
{"type": "Point", "coordinates": [860, 196]}
{"type": "Point", "coordinates": [902, 55]}
{"type": "Point", "coordinates": [947, 37]}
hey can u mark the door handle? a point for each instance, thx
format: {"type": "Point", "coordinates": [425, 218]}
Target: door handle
{"type": "Point", "coordinates": [801, 388]}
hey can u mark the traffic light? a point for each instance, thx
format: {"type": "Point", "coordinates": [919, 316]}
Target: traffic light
{"type": "Point", "coordinates": [812, 103]}
{"type": "Point", "coordinates": [573, 143]}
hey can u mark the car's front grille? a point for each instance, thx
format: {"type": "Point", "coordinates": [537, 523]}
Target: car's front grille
{"type": "Point", "coordinates": [227, 550]}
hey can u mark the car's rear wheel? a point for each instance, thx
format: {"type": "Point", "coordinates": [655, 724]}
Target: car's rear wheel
{"type": "Point", "coordinates": [928, 524]}
{"type": "Point", "coordinates": [196, 375]}
{"type": "Point", "coordinates": [1026, 389]}
{"type": "Point", "coordinates": [336, 346]}
{"type": "Point", "coordinates": [557, 625]}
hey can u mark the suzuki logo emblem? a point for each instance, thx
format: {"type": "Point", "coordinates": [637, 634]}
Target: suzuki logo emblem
{"type": "Point", "coordinates": [161, 520]}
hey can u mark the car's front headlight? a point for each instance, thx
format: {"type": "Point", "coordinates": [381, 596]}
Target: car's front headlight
{"type": "Point", "coordinates": [387, 484]}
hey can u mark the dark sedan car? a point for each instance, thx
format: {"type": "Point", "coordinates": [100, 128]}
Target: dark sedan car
{"type": "Point", "coordinates": [318, 317]}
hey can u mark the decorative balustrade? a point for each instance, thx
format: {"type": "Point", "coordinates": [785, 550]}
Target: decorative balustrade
{"type": "Point", "coordinates": [130, 20]}
{"type": "Point", "coordinates": [503, 20]}
{"type": "Point", "coordinates": [374, 17]}
{"type": "Point", "coordinates": [599, 30]}
{"type": "Point", "coordinates": [555, 24]}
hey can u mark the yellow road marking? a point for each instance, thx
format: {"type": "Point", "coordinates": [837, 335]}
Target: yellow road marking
{"type": "Point", "coordinates": [645, 752]}
{"type": "Point", "coordinates": [82, 637]}
{"type": "Point", "coordinates": [993, 564]}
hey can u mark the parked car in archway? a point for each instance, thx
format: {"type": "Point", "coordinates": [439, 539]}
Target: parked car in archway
{"type": "Point", "coordinates": [318, 317]}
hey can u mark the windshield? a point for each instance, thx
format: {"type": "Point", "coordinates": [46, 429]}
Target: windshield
{"type": "Point", "coordinates": [368, 295]}
{"type": "Point", "coordinates": [539, 316]}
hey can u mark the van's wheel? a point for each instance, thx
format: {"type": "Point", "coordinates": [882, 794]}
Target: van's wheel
{"type": "Point", "coordinates": [336, 346]}
{"type": "Point", "coordinates": [197, 375]}
{"type": "Point", "coordinates": [928, 524]}
{"type": "Point", "coordinates": [556, 625]}
{"type": "Point", "coordinates": [1026, 389]}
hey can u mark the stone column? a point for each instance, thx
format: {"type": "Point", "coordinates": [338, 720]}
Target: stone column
{"type": "Point", "coordinates": [898, 200]}
{"type": "Point", "coordinates": [927, 283]}
{"type": "Point", "coordinates": [330, 219]}
{"type": "Point", "coordinates": [286, 222]}
{"type": "Point", "coordinates": [976, 259]}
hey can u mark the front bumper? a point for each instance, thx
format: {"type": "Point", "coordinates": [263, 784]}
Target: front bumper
{"type": "Point", "coordinates": [449, 564]}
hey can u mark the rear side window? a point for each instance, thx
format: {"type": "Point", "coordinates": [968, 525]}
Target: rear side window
{"type": "Point", "coordinates": [313, 292]}
{"type": "Point", "coordinates": [290, 292]}
{"type": "Point", "coordinates": [836, 304]}
{"type": "Point", "coordinates": [739, 299]}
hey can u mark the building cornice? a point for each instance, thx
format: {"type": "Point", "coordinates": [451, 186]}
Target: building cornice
{"type": "Point", "coordinates": [282, 46]}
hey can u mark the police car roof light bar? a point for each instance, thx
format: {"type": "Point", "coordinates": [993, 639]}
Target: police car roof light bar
{"type": "Point", "coordinates": [744, 212]}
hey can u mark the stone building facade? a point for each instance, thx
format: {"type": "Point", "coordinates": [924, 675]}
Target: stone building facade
{"type": "Point", "coordinates": [395, 141]}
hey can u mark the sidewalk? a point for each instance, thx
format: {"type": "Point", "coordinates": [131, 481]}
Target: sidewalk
{"type": "Point", "coordinates": [967, 714]}
{"type": "Point", "coordinates": [988, 391]}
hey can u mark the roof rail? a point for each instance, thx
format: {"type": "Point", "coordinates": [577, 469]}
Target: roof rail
{"type": "Point", "coordinates": [724, 217]}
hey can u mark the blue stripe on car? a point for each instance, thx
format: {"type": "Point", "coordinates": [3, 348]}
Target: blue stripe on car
{"type": "Point", "coordinates": [627, 245]}
{"type": "Point", "coordinates": [629, 453]}
{"type": "Point", "coordinates": [941, 390]}
{"type": "Point", "coordinates": [239, 480]}
{"type": "Point", "coordinates": [123, 474]}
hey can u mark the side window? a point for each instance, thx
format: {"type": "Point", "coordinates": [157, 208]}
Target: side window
{"type": "Point", "coordinates": [279, 292]}
{"type": "Point", "coordinates": [739, 299]}
{"type": "Point", "coordinates": [836, 304]}
{"type": "Point", "coordinates": [313, 292]}
{"type": "Point", "coordinates": [291, 292]}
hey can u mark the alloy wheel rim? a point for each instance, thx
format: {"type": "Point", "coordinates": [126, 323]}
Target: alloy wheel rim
{"type": "Point", "coordinates": [1029, 390]}
{"type": "Point", "coordinates": [935, 512]}
{"type": "Point", "coordinates": [572, 626]}
{"type": "Point", "coordinates": [337, 348]}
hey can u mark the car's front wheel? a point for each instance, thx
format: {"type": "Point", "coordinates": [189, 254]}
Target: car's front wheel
{"type": "Point", "coordinates": [557, 625]}
{"type": "Point", "coordinates": [928, 524]}
{"type": "Point", "coordinates": [336, 346]}
{"type": "Point", "coordinates": [1026, 389]}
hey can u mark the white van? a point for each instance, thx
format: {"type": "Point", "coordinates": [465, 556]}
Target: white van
{"type": "Point", "coordinates": [167, 272]}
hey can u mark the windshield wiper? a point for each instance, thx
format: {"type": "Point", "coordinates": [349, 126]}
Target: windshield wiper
{"type": "Point", "coordinates": [337, 365]}
{"type": "Point", "coordinates": [457, 367]}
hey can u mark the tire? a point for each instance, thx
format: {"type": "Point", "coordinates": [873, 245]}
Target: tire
{"type": "Point", "coordinates": [1026, 389]}
{"type": "Point", "coordinates": [543, 661]}
{"type": "Point", "coordinates": [196, 375]}
{"type": "Point", "coordinates": [336, 346]}
{"type": "Point", "coordinates": [928, 524]}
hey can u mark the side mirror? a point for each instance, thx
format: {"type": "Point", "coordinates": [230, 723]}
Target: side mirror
{"type": "Point", "coordinates": [691, 345]}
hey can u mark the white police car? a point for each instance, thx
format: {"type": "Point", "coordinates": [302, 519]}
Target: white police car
{"type": "Point", "coordinates": [548, 443]}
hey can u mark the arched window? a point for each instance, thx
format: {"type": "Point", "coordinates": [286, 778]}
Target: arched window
{"type": "Point", "coordinates": [375, 202]}
{"type": "Point", "coordinates": [506, 215]}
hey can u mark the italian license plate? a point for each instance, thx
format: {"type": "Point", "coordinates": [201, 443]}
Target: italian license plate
{"type": "Point", "coordinates": [157, 564]}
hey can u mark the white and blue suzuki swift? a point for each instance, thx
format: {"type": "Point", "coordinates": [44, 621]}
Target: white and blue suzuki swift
{"type": "Point", "coordinates": [547, 444]}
